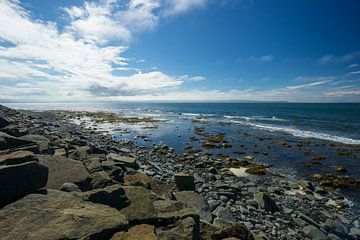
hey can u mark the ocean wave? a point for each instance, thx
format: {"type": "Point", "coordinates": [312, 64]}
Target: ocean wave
{"type": "Point", "coordinates": [302, 133]}
{"type": "Point", "coordinates": [255, 118]}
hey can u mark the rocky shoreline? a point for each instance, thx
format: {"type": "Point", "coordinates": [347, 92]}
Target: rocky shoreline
{"type": "Point", "coordinates": [60, 180]}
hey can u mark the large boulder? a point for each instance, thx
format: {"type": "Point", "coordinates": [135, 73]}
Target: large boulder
{"type": "Point", "coordinates": [17, 157]}
{"type": "Point", "coordinates": [186, 229]}
{"type": "Point", "coordinates": [41, 141]}
{"type": "Point", "coordinates": [236, 231]}
{"type": "Point", "coordinates": [141, 232]}
{"type": "Point", "coordinates": [113, 196]}
{"type": "Point", "coordinates": [147, 207]}
{"type": "Point", "coordinates": [3, 122]}
{"type": "Point", "coordinates": [100, 180]}
{"type": "Point", "coordinates": [127, 161]}
{"type": "Point", "coordinates": [17, 180]}
{"type": "Point", "coordinates": [196, 202]}
{"type": "Point", "coordinates": [159, 187]}
{"type": "Point", "coordinates": [64, 170]}
{"type": "Point", "coordinates": [10, 142]}
{"type": "Point", "coordinates": [55, 215]}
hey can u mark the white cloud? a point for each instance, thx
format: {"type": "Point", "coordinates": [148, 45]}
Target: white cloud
{"type": "Point", "coordinates": [339, 59]}
{"type": "Point", "coordinates": [353, 65]}
{"type": "Point", "coordinates": [265, 58]}
{"type": "Point", "coordinates": [173, 7]}
{"type": "Point", "coordinates": [354, 72]}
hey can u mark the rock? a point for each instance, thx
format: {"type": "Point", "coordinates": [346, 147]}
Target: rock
{"type": "Point", "coordinates": [17, 180]}
{"type": "Point", "coordinates": [17, 157]}
{"type": "Point", "coordinates": [140, 232]}
{"type": "Point", "coordinates": [64, 170]}
{"type": "Point", "coordinates": [41, 141]}
{"type": "Point", "coordinates": [223, 218]}
{"type": "Point", "coordinates": [100, 180]}
{"type": "Point", "coordinates": [336, 227]}
{"type": "Point", "coordinates": [10, 142]}
{"type": "Point", "coordinates": [355, 232]}
{"type": "Point", "coordinates": [213, 204]}
{"type": "Point", "coordinates": [160, 188]}
{"type": "Point", "coordinates": [265, 202]}
{"type": "Point", "coordinates": [15, 130]}
{"type": "Point", "coordinates": [58, 215]}
{"type": "Point", "coordinates": [196, 202]}
{"type": "Point", "coordinates": [186, 229]}
{"type": "Point", "coordinates": [184, 182]}
{"type": "Point", "coordinates": [70, 187]}
{"type": "Point", "coordinates": [147, 207]}
{"type": "Point", "coordinates": [93, 164]}
{"type": "Point", "coordinates": [306, 185]}
{"type": "Point", "coordinates": [314, 233]}
{"type": "Point", "coordinates": [236, 231]}
{"type": "Point", "coordinates": [127, 161]}
{"type": "Point", "coordinates": [60, 152]}
{"type": "Point", "coordinates": [113, 196]}
{"type": "Point", "coordinates": [3, 122]}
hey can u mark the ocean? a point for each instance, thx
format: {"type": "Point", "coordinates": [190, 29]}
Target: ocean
{"type": "Point", "coordinates": [285, 135]}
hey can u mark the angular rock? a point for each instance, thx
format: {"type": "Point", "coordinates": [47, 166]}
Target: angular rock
{"type": "Point", "coordinates": [3, 122]}
{"type": "Point", "coordinates": [224, 217]}
{"type": "Point", "coordinates": [93, 164]}
{"type": "Point", "coordinates": [147, 207]}
{"type": "Point", "coordinates": [127, 161]}
{"type": "Point", "coordinates": [17, 157]}
{"type": "Point", "coordinates": [236, 231]}
{"type": "Point", "coordinates": [70, 187]}
{"type": "Point", "coordinates": [64, 170]}
{"type": "Point", "coordinates": [113, 196]}
{"type": "Point", "coordinates": [184, 182]}
{"type": "Point", "coordinates": [60, 152]}
{"type": "Point", "coordinates": [336, 227]}
{"type": "Point", "coordinates": [186, 229]}
{"type": "Point", "coordinates": [196, 202]}
{"type": "Point", "coordinates": [314, 233]}
{"type": "Point", "coordinates": [100, 180]}
{"type": "Point", "coordinates": [265, 202]}
{"type": "Point", "coordinates": [41, 141]}
{"type": "Point", "coordinates": [142, 231]}
{"type": "Point", "coordinates": [158, 187]}
{"type": "Point", "coordinates": [11, 142]}
{"type": "Point", "coordinates": [56, 215]}
{"type": "Point", "coordinates": [17, 180]}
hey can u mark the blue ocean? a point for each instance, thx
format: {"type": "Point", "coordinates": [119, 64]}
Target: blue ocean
{"type": "Point", "coordinates": [286, 135]}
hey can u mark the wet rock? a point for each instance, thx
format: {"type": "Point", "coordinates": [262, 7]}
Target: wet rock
{"type": "Point", "coordinates": [265, 202]}
{"type": "Point", "coordinates": [64, 170]}
{"type": "Point", "coordinates": [186, 229]}
{"type": "Point", "coordinates": [70, 187]}
{"type": "Point", "coordinates": [306, 185]}
{"type": "Point", "coordinates": [314, 233]}
{"type": "Point", "coordinates": [41, 141]}
{"type": "Point", "coordinates": [332, 181]}
{"type": "Point", "coordinates": [223, 217]}
{"type": "Point", "coordinates": [184, 182]}
{"type": "Point", "coordinates": [17, 157]}
{"type": "Point", "coordinates": [127, 161]}
{"type": "Point", "coordinates": [141, 232]}
{"type": "Point", "coordinates": [196, 202]}
{"type": "Point", "coordinates": [17, 180]}
{"type": "Point", "coordinates": [58, 215]}
{"type": "Point", "coordinates": [113, 196]}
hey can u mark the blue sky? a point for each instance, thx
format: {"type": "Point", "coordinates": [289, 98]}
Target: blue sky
{"type": "Point", "coordinates": [180, 50]}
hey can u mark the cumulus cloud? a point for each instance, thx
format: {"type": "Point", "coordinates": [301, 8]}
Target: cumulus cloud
{"type": "Point", "coordinates": [173, 7]}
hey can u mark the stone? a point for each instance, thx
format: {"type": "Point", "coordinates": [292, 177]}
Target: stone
{"type": "Point", "coordinates": [60, 152]}
{"type": "Point", "coordinates": [336, 227]}
{"type": "Point", "coordinates": [236, 231]}
{"type": "Point", "coordinates": [196, 202]}
{"type": "Point", "coordinates": [17, 180]}
{"type": "Point", "coordinates": [147, 207]}
{"type": "Point", "coordinates": [100, 180]}
{"type": "Point", "coordinates": [186, 229]}
{"type": "Point", "coordinates": [10, 142]}
{"type": "Point", "coordinates": [64, 170]}
{"type": "Point", "coordinates": [93, 164]}
{"type": "Point", "coordinates": [113, 196]}
{"type": "Point", "coordinates": [41, 141]}
{"type": "Point", "coordinates": [223, 218]}
{"type": "Point", "coordinates": [306, 185]}
{"type": "Point", "coordinates": [355, 232]}
{"type": "Point", "coordinates": [70, 187]}
{"type": "Point", "coordinates": [265, 202]}
{"type": "Point", "coordinates": [314, 233]}
{"type": "Point", "coordinates": [140, 232]}
{"type": "Point", "coordinates": [17, 157]}
{"type": "Point", "coordinates": [56, 215]}
{"type": "Point", "coordinates": [184, 182]}
{"type": "Point", "coordinates": [159, 187]}
{"type": "Point", "coordinates": [3, 122]}
{"type": "Point", "coordinates": [127, 161]}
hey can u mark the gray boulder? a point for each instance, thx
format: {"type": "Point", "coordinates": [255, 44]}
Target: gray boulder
{"type": "Point", "coordinates": [185, 229]}
{"type": "Point", "coordinates": [196, 202]}
{"type": "Point", "coordinates": [314, 233]}
{"type": "Point", "coordinates": [70, 187]}
{"type": "Point", "coordinates": [17, 180]}
{"type": "Point", "coordinates": [17, 157]}
{"type": "Point", "coordinates": [184, 182]}
{"type": "Point", "coordinates": [41, 141]}
{"type": "Point", "coordinates": [265, 202]}
{"type": "Point", "coordinates": [127, 161]}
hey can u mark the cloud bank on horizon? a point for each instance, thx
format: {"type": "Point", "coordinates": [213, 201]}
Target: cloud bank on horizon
{"type": "Point", "coordinates": [80, 52]}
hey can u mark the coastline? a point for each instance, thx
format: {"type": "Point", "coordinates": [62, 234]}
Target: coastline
{"type": "Point", "coordinates": [267, 204]}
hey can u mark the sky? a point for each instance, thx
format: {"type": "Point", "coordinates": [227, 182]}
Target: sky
{"type": "Point", "coordinates": [180, 50]}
